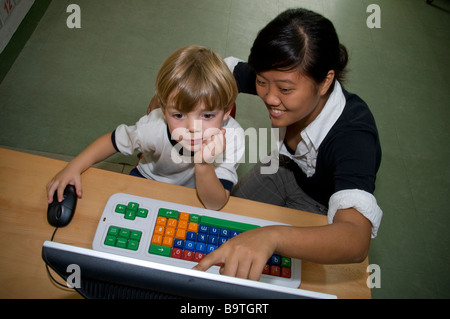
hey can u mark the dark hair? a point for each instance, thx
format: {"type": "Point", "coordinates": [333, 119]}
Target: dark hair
{"type": "Point", "coordinates": [300, 39]}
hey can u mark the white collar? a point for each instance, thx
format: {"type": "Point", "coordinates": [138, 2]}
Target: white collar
{"type": "Point", "coordinates": [314, 134]}
{"type": "Point", "coordinates": [322, 124]}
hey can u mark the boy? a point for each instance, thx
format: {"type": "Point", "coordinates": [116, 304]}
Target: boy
{"type": "Point", "coordinates": [190, 141]}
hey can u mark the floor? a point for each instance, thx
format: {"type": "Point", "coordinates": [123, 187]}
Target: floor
{"type": "Point", "coordinates": [61, 88]}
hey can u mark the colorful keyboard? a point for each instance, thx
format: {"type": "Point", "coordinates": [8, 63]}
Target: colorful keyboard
{"type": "Point", "coordinates": [180, 235]}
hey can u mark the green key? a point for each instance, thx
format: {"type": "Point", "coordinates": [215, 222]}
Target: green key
{"type": "Point", "coordinates": [286, 262]}
{"type": "Point", "coordinates": [121, 209]}
{"type": "Point", "coordinates": [110, 240]}
{"type": "Point", "coordinates": [124, 233]}
{"type": "Point", "coordinates": [160, 250]}
{"type": "Point", "coordinates": [130, 215]}
{"type": "Point", "coordinates": [133, 245]}
{"type": "Point", "coordinates": [136, 235]}
{"type": "Point", "coordinates": [194, 218]}
{"type": "Point", "coordinates": [168, 213]}
{"type": "Point", "coordinates": [133, 206]}
{"type": "Point", "coordinates": [121, 242]}
{"type": "Point", "coordinates": [228, 224]}
{"type": "Point", "coordinates": [142, 213]}
{"type": "Point", "coordinates": [113, 231]}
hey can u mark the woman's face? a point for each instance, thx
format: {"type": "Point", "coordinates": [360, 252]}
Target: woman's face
{"type": "Point", "coordinates": [291, 97]}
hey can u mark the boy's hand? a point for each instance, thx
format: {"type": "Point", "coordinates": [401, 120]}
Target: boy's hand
{"type": "Point", "coordinates": [61, 180]}
{"type": "Point", "coordinates": [212, 147]}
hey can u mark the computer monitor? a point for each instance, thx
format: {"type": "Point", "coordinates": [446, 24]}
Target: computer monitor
{"type": "Point", "coordinates": [109, 276]}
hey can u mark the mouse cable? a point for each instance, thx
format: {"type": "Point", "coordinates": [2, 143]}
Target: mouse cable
{"type": "Point", "coordinates": [53, 236]}
{"type": "Point", "coordinates": [48, 270]}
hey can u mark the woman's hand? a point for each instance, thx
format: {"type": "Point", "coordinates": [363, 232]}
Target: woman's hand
{"type": "Point", "coordinates": [243, 256]}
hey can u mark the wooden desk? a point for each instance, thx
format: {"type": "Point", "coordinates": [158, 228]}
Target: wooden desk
{"type": "Point", "coordinates": [24, 227]}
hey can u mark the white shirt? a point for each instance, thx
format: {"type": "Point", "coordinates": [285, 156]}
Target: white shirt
{"type": "Point", "coordinates": [161, 161]}
{"type": "Point", "coordinates": [312, 136]}
{"type": "Point", "coordinates": [306, 155]}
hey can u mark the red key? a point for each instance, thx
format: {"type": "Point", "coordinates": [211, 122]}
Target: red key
{"type": "Point", "coordinates": [275, 270]}
{"type": "Point", "coordinates": [188, 255]}
{"type": "Point", "coordinates": [285, 272]}
{"type": "Point", "coordinates": [176, 253]}
{"type": "Point", "coordinates": [198, 257]}
{"type": "Point", "coordinates": [266, 270]}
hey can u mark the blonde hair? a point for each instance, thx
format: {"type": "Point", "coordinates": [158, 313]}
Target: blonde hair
{"type": "Point", "coordinates": [193, 75]}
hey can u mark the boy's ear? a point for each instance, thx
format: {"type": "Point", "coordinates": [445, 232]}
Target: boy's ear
{"type": "Point", "coordinates": [228, 111]}
{"type": "Point", "coordinates": [164, 113]}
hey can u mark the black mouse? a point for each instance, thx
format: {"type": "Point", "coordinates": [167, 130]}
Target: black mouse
{"type": "Point", "coordinates": [60, 214]}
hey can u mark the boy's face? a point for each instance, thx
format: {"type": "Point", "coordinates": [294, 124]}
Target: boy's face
{"type": "Point", "coordinates": [192, 128]}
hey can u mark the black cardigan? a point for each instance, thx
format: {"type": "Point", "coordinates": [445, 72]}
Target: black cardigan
{"type": "Point", "coordinates": [349, 156]}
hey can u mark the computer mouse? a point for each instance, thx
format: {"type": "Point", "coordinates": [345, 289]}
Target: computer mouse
{"type": "Point", "coordinates": [59, 214]}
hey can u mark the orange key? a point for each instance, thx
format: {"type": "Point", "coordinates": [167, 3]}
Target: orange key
{"type": "Point", "coordinates": [180, 234]}
{"type": "Point", "coordinates": [157, 239]}
{"type": "Point", "coordinates": [170, 232]}
{"type": "Point", "coordinates": [184, 216]}
{"type": "Point", "coordinates": [182, 224]}
{"type": "Point", "coordinates": [159, 230]}
{"type": "Point", "coordinates": [167, 241]}
{"type": "Point", "coordinates": [172, 223]}
{"type": "Point", "coordinates": [161, 221]}
{"type": "Point", "coordinates": [193, 227]}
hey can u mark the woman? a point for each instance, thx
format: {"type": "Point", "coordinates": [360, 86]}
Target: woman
{"type": "Point", "coordinates": [329, 150]}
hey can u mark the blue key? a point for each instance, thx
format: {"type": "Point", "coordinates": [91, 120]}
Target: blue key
{"type": "Point", "coordinates": [203, 229]}
{"type": "Point", "coordinates": [224, 233]}
{"type": "Point", "coordinates": [191, 236]}
{"type": "Point", "coordinates": [275, 260]}
{"type": "Point", "coordinates": [222, 240]}
{"type": "Point", "coordinates": [210, 248]}
{"type": "Point", "coordinates": [234, 233]}
{"type": "Point", "coordinates": [214, 240]}
{"type": "Point", "coordinates": [214, 231]}
{"type": "Point", "coordinates": [178, 243]}
{"type": "Point", "coordinates": [200, 247]}
{"type": "Point", "coordinates": [189, 245]}
{"type": "Point", "coordinates": [201, 238]}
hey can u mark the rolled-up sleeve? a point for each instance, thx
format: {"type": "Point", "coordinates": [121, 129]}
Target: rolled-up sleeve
{"type": "Point", "coordinates": [362, 201]}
